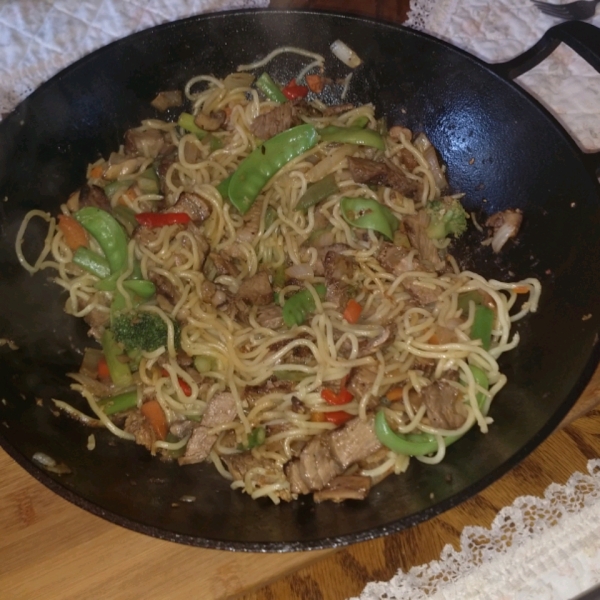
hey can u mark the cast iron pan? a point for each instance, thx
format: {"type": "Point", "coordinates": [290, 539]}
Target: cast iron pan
{"type": "Point", "coordinates": [470, 110]}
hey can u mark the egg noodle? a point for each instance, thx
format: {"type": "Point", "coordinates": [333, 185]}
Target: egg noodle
{"type": "Point", "coordinates": [276, 374]}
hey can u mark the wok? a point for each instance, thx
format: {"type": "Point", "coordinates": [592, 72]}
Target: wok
{"type": "Point", "coordinates": [502, 149]}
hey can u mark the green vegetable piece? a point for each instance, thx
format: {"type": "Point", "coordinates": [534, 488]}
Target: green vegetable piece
{"type": "Point", "coordinates": [204, 364]}
{"type": "Point", "coordinates": [223, 187]}
{"type": "Point", "coordinates": [361, 122]}
{"type": "Point", "coordinates": [214, 143]}
{"type": "Point", "coordinates": [270, 89]}
{"type": "Point", "coordinates": [317, 191]}
{"type": "Point", "coordinates": [142, 330]}
{"type": "Point", "coordinates": [285, 375]}
{"type": "Point", "coordinates": [483, 323]}
{"type": "Point", "coordinates": [125, 216]}
{"type": "Point", "coordinates": [120, 373]}
{"type": "Point", "coordinates": [446, 217]}
{"type": "Point", "coordinates": [140, 287]}
{"type": "Point", "coordinates": [108, 233]}
{"type": "Point", "coordinates": [270, 217]}
{"type": "Point", "coordinates": [466, 297]}
{"type": "Point", "coordinates": [119, 403]}
{"type": "Point", "coordinates": [297, 307]}
{"type": "Point", "coordinates": [279, 277]}
{"type": "Point", "coordinates": [173, 439]}
{"type": "Point", "coordinates": [265, 161]}
{"type": "Point", "coordinates": [110, 189]}
{"type": "Point", "coordinates": [352, 135]}
{"type": "Point", "coordinates": [186, 121]}
{"type": "Point", "coordinates": [91, 262]}
{"type": "Point", "coordinates": [420, 444]}
{"type": "Point", "coordinates": [148, 181]}
{"type": "Point", "coordinates": [256, 437]}
{"type": "Point", "coordinates": [366, 213]}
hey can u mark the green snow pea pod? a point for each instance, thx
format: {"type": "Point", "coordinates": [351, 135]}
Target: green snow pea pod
{"type": "Point", "coordinates": [317, 191]}
{"type": "Point", "coordinates": [264, 162]}
{"type": "Point", "coordinates": [92, 262]}
{"type": "Point", "coordinates": [108, 233]}
{"type": "Point", "coordinates": [366, 213]}
{"type": "Point", "coordinates": [420, 444]}
{"type": "Point", "coordinates": [298, 306]}
{"type": "Point", "coordinates": [270, 89]}
{"type": "Point", "coordinates": [352, 135]}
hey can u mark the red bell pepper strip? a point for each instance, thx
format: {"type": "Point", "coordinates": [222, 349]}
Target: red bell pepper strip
{"type": "Point", "coordinates": [185, 387]}
{"type": "Point", "coordinates": [334, 399]}
{"type": "Point", "coordinates": [151, 219]}
{"type": "Point", "coordinates": [338, 417]}
{"type": "Point", "coordinates": [292, 90]}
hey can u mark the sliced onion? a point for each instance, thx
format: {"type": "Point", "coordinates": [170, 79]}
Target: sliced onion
{"type": "Point", "coordinates": [327, 165]}
{"type": "Point", "coordinates": [345, 54]}
{"type": "Point", "coordinates": [423, 145]}
{"type": "Point", "coordinates": [301, 271]}
{"type": "Point", "coordinates": [502, 235]}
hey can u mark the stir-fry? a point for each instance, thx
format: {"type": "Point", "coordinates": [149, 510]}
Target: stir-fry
{"type": "Point", "coordinates": [269, 283]}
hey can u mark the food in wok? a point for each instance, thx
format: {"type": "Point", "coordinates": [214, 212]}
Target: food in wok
{"type": "Point", "coordinates": [271, 283]}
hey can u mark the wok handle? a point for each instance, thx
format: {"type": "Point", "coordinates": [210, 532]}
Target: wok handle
{"type": "Point", "coordinates": [581, 37]}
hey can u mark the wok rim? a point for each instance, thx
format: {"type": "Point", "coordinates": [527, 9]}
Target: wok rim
{"type": "Point", "coordinates": [56, 486]}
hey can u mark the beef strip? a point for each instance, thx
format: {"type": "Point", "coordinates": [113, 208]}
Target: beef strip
{"type": "Point", "coordinates": [398, 260]}
{"type": "Point", "coordinates": [275, 121]}
{"type": "Point", "coordinates": [364, 170]}
{"type": "Point", "coordinates": [93, 195]}
{"type": "Point", "coordinates": [138, 426]}
{"type": "Point", "coordinates": [168, 156]}
{"type": "Point", "coordinates": [146, 143]}
{"type": "Point", "coordinates": [270, 471]}
{"type": "Point", "coordinates": [338, 266]}
{"type": "Point", "coordinates": [337, 109]}
{"type": "Point", "coordinates": [165, 287]}
{"type": "Point", "coordinates": [167, 99]}
{"type": "Point", "coordinates": [323, 250]}
{"type": "Point", "coordinates": [219, 264]}
{"type": "Point", "coordinates": [210, 122]}
{"type": "Point", "coordinates": [444, 405]}
{"type": "Point", "coordinates": [193, 205]}
{"type": "Point", "coordinates": [270, 316]}
{"type": "Point", "coordinates": [360, 381]}
{"type": "Point", "coordinates": [256, 289]}
{"type": "Point", "coordinates": [416, 229]}
{"type": "Point", "coordinates": [345, 487]}
{"type": "Point", "coordinates": [329, 454]}
{"type": "Point", "coordinates": [220, 409]}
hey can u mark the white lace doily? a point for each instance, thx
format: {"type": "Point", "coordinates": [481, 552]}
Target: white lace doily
{"type": "Point", "coordinates": [38, 38]}
{"type": "Point", "coordinates": [497, 30]}
{"type": "Point", "coordinates": [537, 549]}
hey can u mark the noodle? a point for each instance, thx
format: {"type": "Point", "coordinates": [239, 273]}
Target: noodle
{"type": "Point", "coordinates": [238, 385]}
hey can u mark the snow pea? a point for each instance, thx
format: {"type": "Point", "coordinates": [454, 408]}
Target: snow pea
{"type": "Point", "coordinates": [186, 121]}
{"type": "Point", "coordinates": [420, 444]}
{"type": "Point", "coordinates": [265, 161]}
{"type": "Point", "coordinates": [270, 89]}
{"type": "Point", "coordinates": [483, 319]}
{"type": "Point", "coordinates": [120, 373]}
{"type": "Point", "coordinates": [92, 262]}
{"type": "Point", "coordinates": [108, 233]}
{"type": "Point", "coordinates": [317, 191]}
{"type": "Point", "coordinates": [298, 306]}
{"type": "Point", "coordinates": [352, 135]}
{"type": "Point", "coordinates": [366, 213]}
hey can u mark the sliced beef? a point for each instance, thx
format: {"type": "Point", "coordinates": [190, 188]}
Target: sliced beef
{"type": "Point", "coordinates": [339, 293]}
{"type": "Point", "coordinates": [337, 109]}
{"type": "Point", "coordinates": [329, 454]}
{"type": "Point", "coordinates": [165, 287]}
{"type": "Point", "coordinates": [275, 121]}
{"type": "Point", "coordinates": [247, 233]}
{"type": "Point", "coordinates": [364, 170]}
{"type": "Point", "coordinates": [93, 195]}
{"type": "Point", "coordinates": [361, 381]}
{"type": "Point", "coordinates": [256, 290]}
{"type": "Point", "coordinates": [407, 158]}
{"type": "Point", "coordinates": [444, 405]}
{"type": "Point", "coordinates": [338, 266]}
{"type": "Point", "coordinates": [210, 122]}
{"type": "Point", "coordinates": [325, 248]}
{"type": "Point", "coordinates": [193, 205]}
{"type": "Point", "coordinates": [168, 156]}
{"type": "Point", "coordinates": [270, 316]}
{"type": "Point", "coordinates": [416, 229]}
{"type": "Point", "coordinates": [167, 99]}
{"type": "Point", "coordinates": [220, 409]}
{"type": "Point", "coordinates": [345, 487]}
{"type": "Point", "coordinates": [146, 143]}
{"type": "Point", "coordinates": [219, 264]}
{"type": "Point", "coordinates": [423, 293]}
{"type": "Point", "coordinates": [398, 260]}
{"type": "Point", "coordinates": [138, 426]}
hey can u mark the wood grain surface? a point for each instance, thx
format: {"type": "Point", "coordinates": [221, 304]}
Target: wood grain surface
{"type": "Point", "coordinates": [53, 550]}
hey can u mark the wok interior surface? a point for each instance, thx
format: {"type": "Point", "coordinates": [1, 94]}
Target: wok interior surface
{"type": "Point", "coordinates": [501, 149]}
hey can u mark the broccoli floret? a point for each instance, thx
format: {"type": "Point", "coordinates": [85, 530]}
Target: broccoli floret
{"type": "Point", "coordinates": [139, 330]}
{"type": "Point", "coordinates": [446, 217]}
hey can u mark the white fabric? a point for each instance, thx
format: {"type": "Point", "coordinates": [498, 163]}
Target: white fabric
{"type": "Point", "coordinates": [38, 38]}
{"type": "Point", "coordinates": [497, 30]}
{"type": "Point", "coordinates": [537, 549]}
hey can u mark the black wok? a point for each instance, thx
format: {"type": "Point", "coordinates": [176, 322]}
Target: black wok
{"type": "Point", "coordinates": [501, 147]}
